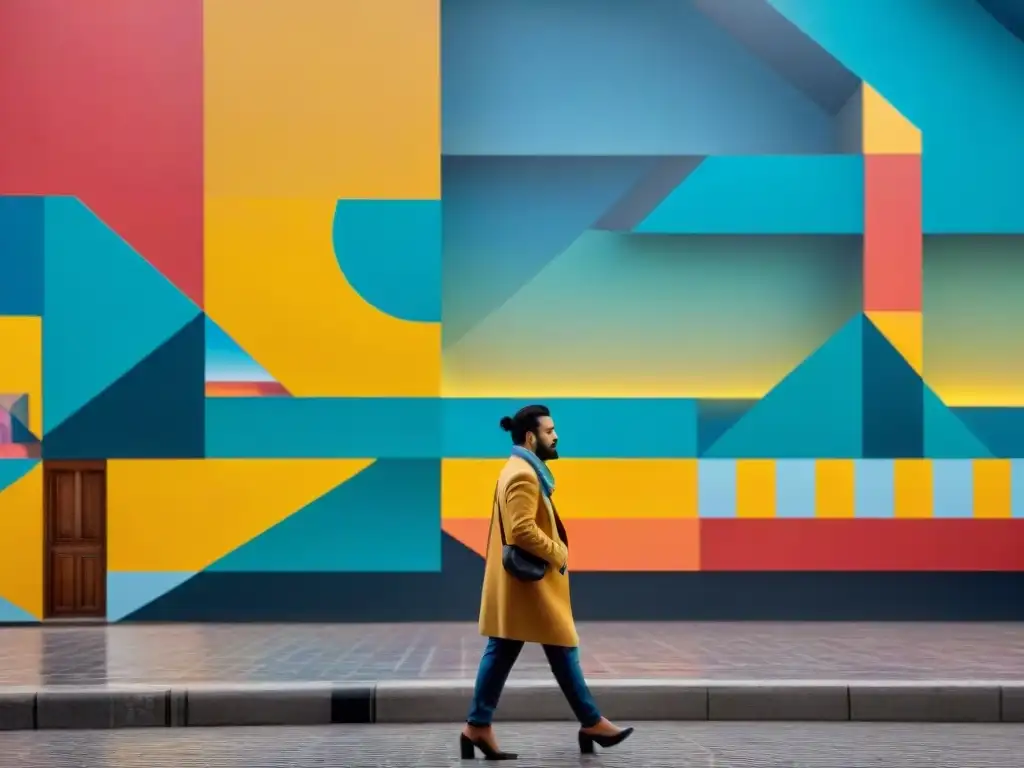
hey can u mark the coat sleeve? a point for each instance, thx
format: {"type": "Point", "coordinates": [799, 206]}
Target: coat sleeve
{"type": "Point", "coordinates": [521, 497]}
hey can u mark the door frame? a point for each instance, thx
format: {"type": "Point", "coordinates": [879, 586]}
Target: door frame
{"type": "Point", "coordinates": [79, 465]}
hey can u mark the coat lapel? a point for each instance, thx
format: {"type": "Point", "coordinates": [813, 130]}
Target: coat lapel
{"type": "Point", "coordinates": [558, 525]}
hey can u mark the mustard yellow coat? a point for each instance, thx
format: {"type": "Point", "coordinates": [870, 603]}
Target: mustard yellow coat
{"type": "Point", "coordinates": [534, 612]}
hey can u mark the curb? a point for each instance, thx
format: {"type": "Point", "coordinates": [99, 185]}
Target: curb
{"type": "Point", "coordinates": [446, 701]}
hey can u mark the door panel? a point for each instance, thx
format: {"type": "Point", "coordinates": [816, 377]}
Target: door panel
{"type": "Point", "coordinates": [62, 584]}
{"type": "Point", "coordinates": [94, 507]}
{"type": "Point", "coordinates": [92, 578]}
{"type": "Point", "coordinates": [61, 498]}
{"type": "Point", "coordinates": [76, 539]}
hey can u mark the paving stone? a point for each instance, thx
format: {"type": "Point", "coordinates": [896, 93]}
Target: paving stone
{"type": "Point", "coordinates": [188, 653]}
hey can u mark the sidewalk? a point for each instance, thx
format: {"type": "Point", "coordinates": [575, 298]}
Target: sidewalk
{"type": "Point", "coordinates": [303, 674]}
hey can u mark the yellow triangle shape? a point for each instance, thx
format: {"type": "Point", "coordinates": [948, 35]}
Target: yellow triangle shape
{"type": "Point", "coordinates": [21, 541]}
{"type": "Point", "coordinates": [905, 331]}
{"type": "Point", "coordinates": [885, 130]}
{"type": "Point", "coordinates": [182, 515]}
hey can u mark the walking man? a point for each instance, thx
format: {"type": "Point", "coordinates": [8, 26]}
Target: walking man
{"type": "Point", "coordinates": [526, 590]}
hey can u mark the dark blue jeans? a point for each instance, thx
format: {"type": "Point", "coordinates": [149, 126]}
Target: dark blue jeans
{"type": "Point", "coordinates": [496, 663]}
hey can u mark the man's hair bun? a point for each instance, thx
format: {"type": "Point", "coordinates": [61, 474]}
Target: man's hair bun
{"type": "Point", "coordinates": [506, 423]}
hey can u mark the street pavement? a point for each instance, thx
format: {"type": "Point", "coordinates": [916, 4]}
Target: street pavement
{"type": "Point", "coordinates": [654, 745]}
{"type": "Point", "coordinates": [171, 654]}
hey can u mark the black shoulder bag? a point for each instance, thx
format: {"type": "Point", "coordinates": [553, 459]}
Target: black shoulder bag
{"type": "Point", "coordinates": [519, 563]}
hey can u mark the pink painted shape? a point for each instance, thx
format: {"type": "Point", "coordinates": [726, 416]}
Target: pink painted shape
{"type": "Point", "coordinates": [19, 451]}
{"type": "Point", "coordinates": [893, 243]}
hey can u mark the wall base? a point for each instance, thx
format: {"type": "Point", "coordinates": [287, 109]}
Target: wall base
{"type": "Point", "coordinates": [454, 595]}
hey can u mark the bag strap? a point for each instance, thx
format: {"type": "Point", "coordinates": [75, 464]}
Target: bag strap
{"type": "Point", "coordinates": [496, 509]}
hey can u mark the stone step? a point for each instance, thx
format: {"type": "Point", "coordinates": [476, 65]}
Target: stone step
{"type": "Point", "coordinates": [442, 701]}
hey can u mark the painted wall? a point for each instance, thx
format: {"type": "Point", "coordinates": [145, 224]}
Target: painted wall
{"type": "Point", "coordinates": [777, 244]}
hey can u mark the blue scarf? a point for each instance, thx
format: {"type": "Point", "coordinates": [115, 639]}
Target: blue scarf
{"type": "Point", "coordinates": [547, 480]}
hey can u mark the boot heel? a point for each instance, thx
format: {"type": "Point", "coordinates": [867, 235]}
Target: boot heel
{"type": "Point", "coordinates": [586, 744]}
{"type": "Point", "coordinates": [587, 741]}
{"type": "Point", "coordinates": [467, 745]}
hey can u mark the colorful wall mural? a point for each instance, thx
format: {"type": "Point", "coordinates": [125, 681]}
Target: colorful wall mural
{"type": "Point", "coordinates": [283, 266]}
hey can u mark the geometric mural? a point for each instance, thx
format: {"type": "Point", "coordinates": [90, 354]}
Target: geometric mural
{"type": "Point", "coordinates": [772, 295]}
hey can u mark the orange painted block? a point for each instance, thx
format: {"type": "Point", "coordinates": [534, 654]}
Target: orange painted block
{"type": "Point", "coordinates": [834, 488]}
{"type": "Point", "coordinates": [634, 544]}
{"type": "Point", "coordinates": [755, 488]}
{"type": "Point", "coordinates": [913, 493]}
{"type": "Point", "coordinates": [604, 544]}
{"type": "Point", "coordinates": [893, 243]}
{"type": "Point", "coordinates": [992, 488]}
{"type": "Point", "coordinates": [471, 532]}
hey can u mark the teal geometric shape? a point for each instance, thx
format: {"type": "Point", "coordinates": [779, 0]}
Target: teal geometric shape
{"type": "Point", "coordinates": [390, 253]}
{"type": "Point", "coordinates": [715, 417]}
{"type": "Point", "coordinates": [21, 255]}
{"type": "Point", "coordinates": [154, 411]}
{"type": "Point", "coordinates": [20, 433]}
{"type": "Point", "coordinates": [106, 308]}
{"type": "Point", "coordinates": [892, 397]}
{"type": "Point", "coordinates": [385, 519]}
{"type": "Point", "coordinates": [12, 470]}
{"type": "Point", "coordinates": [127, 591]}
{"type": "Point", "coordinates": [429, 427]}
{"type": "Point", "coordinates": [323, 427]}
{"type": "Point", "coordinates": [1001, 429]}
{"type": "Point", "coordinates": [945, 435]}
{"type": "Point", "coordinates": [505, 218]}
{"type": "Point", "coordinates": [956, 74]}
{"type": "Point", "coordinates": [814, 412]}
{"type": "Point", "coordinates": [12, 614]}
{"type": "Point", "coordinates": [771, 194]}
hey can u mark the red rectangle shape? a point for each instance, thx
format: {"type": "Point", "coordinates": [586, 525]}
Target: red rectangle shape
{"type": "Point", "coordinates": [892, 232]}
{"type": "Point", "coordinates": [104, 101]}
{"type": "Point", "coordinates": [862, 545]}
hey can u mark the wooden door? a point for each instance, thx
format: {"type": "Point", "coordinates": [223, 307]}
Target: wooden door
{"type": "Point", "coordinates": [75, 559]}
